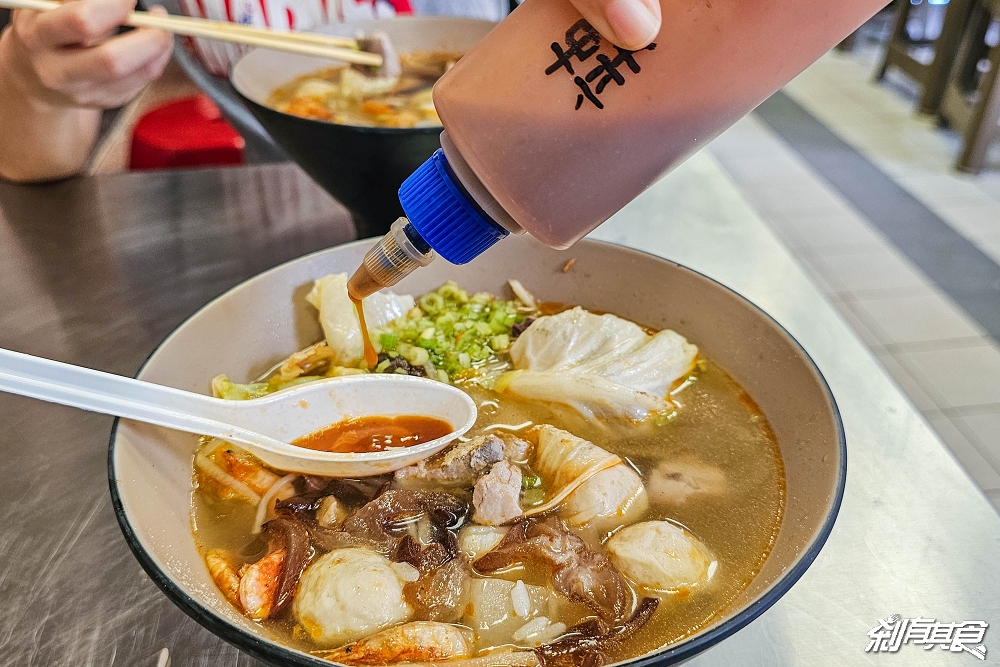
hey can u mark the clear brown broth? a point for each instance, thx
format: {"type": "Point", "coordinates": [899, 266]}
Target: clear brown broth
{"type": "Point", "coordinates": [717, 422]}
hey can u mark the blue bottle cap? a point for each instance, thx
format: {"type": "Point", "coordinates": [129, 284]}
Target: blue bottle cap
{"type": "Point", "coordinates": [444, 215]}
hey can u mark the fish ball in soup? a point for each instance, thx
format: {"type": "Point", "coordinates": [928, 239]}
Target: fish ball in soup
{"type": "Point", "coordinates": [676, 482]}
{"type": "Point", "coordinates": [660, 556]}
{"type": "Point", "coordinates": [347, 594]}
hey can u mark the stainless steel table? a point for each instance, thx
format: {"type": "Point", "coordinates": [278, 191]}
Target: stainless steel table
{"type": "Point", "coordinates": [97, 271]}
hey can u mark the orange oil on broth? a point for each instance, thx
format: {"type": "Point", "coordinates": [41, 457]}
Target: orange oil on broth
{"type": "Point", "coordinates": [363, 435]}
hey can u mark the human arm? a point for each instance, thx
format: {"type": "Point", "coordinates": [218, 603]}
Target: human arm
{"type": "Point", "coordinates": [58, 70]}
{"type": "Point", "coordinates": [631, 24]}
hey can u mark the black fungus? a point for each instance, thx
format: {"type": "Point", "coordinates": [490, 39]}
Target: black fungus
{"type": "Point", "coordinates": [351, 492]}
{"type": "Point", "coordinates": [586, 643]}
{"type": "Point", "coordinates": [397, 363]}
{"type": "Point", "coordinates": [519, 327]}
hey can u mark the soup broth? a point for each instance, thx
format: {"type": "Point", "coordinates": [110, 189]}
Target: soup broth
{"type": "Point", "coordinates": [716, 422]}
{"type": "Point", "coordinates": [714, 429]}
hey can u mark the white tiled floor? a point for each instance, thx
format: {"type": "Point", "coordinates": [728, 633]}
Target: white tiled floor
{"type": "Point", "coordinates": [937, 354]}
{"type": "Point", "coordinates": [964, 373]}
{"type": "Point", "coordinates": [867, 270]}
{"type": "Point", "coordinates": [916, 315]}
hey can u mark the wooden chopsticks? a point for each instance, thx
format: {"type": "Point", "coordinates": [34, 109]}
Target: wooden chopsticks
{"type": "Point", "coordinates": [310, 44]}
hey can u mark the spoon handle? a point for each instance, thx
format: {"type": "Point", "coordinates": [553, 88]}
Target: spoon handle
{"type": "Point", "coordinates": [109, 394]}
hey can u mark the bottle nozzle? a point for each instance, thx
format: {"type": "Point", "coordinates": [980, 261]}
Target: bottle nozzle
{"type": "Point", "coordinates": [395, 256]}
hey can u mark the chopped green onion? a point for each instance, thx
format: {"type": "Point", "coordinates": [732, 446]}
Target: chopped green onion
{"type": "Point", "coordinates": [388, 341]}
{"type": "Point", "coordinates": [531, 482]}
{"type": "Point", "coordinates": [500, 342]}
{"type": "Point", "coordinates": [431, 302]}
{"type": "Point", "coordinates": [382, 366]}
{"type": "Point", "coordinates": [532, 497]}
{"type": "Point", "coordinates": [418, 356]}
{"type": "Point", "coordinates": [460, 334]}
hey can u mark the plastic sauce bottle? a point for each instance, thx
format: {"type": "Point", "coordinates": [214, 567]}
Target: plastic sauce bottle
{"type": "Point", "coordinates": [551, 129]}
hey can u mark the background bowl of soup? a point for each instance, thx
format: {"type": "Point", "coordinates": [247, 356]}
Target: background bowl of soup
{"type": "Point", "coordinates": [256, 324]}
{"type": "Point", "coordinates": [361, 166]}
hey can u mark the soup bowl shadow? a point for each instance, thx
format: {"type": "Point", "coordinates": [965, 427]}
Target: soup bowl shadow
{"type": "Point", "coordinates": [362, 167]}
{"type": "Point", "coordinates": [252, 326]}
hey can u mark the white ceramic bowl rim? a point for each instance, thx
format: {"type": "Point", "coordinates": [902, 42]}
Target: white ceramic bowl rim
{"type": "Point", "coordinates": [275, 653]}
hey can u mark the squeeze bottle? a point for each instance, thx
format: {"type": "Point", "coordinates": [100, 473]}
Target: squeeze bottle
{"type": "Point", "coordinates": [550, 129]}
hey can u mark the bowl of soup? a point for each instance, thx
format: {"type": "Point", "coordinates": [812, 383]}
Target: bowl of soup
{"type": "Point", "coordinates": [357, 138]}
{"type": "Point", "coordinates": [654, 463]}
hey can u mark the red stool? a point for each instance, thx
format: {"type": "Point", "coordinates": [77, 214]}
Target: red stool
{"type": "Point", "coordinates": [186, 133]}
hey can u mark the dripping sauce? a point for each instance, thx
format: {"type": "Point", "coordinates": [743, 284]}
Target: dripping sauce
{"type": "Point", "coordinates": [371, 357]}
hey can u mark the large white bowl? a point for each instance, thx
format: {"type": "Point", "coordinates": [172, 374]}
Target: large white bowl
{"type": "Point", "coordinates": [251, 327]}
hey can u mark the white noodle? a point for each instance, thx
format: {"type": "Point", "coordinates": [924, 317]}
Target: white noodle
{"type": "Point", "coordinates": [508, 427]}
{"type": "Point", "coordinates": [204, 464]}
{"type": "Point", "coordinates": [265, 504]}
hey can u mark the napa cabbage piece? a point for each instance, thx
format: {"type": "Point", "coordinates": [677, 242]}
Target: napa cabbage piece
{"type": "Point", "coordinates": [599, 365]}
{"type": "Point", "coordinates": [312, 363]}
{"type": "Point", "coordinates": [590, 485]}
{"type": "Point", "coordinates": [339, 319]}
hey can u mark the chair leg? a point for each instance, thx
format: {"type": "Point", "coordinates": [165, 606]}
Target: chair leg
{"type": "Point", "coordinates": [847, 45]}
{"type": "Point", "coordinates": [955, 20]}
{"type": "Point", "coordinates": [897, 34]}
{"type": "Point", "coordinates": [976, 50]}
{"type": "Point", "coordinates": [982, 128]}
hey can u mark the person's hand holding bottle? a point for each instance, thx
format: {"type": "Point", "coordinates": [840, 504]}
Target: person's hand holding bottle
{"type": "Point", "coordinates": [58, 69]}
{"type": "Point", "coordinates": [631, 24]}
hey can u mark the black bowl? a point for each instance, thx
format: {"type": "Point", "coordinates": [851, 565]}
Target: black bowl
{"type": "Point", "coordinates": [362, 167]}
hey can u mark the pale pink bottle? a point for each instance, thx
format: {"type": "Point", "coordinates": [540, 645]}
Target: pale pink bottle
{"type": "Point", "coordinates": [551, 129]}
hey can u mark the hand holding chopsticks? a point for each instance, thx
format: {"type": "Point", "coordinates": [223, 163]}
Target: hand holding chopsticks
{"type": "Point", "coordinates": [311, 44]}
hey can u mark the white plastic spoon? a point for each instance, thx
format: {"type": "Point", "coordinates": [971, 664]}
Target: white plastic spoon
{"type": "Point", "coordinates": [265, 425]}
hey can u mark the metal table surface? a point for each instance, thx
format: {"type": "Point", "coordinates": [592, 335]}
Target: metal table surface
{"type": "Point", "coordinates": [97, 271]}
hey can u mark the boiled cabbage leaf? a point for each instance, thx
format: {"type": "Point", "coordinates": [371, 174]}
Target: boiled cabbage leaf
{"type": "Point", "coordinates": [600, 365]}
{"type": "Point", "coordinates": [339, 319]}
